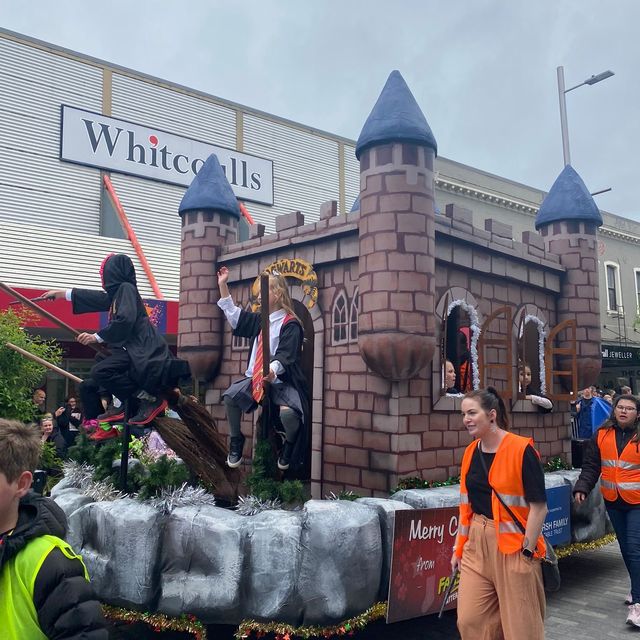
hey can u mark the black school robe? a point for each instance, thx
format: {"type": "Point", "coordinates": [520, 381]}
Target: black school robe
{"type": "Point", "coordinates": [288, 355]}
{"type": "Point", "coordinates": [153, 366]}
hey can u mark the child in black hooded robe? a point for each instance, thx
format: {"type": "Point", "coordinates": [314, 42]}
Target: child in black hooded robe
{"type": "Point", "coordinates": [140, 364]}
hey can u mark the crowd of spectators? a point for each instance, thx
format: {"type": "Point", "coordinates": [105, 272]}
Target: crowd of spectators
{"type": "Point", "coordinates": [59, 427]}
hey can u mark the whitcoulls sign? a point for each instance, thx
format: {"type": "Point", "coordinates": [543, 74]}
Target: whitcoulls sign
{"type": "Point", "coordinates": [124, 147]}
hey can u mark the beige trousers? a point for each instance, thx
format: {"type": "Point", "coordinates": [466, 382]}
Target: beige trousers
{"type": "Point", "coordinates": [500, 597]}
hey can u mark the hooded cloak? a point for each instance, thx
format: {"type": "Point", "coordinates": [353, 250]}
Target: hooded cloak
{"type": "Point", "coordinates": [153, 366]}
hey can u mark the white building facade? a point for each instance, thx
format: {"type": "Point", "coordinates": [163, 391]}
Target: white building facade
{"type": "Point", "coordinates": [68, 120]}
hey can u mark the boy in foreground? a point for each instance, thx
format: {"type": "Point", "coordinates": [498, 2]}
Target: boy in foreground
{"type": "Point", "coordinates": [44, 585]}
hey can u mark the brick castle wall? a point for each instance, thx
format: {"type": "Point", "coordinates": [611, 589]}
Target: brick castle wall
{"type": "Point", "coordinates": [373, 432]}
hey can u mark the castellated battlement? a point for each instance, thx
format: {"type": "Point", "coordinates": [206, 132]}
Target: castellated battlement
{"type": "Point", "coordinates": [397, 294]}
{"type": "Point", "coordinates": [334, 238]}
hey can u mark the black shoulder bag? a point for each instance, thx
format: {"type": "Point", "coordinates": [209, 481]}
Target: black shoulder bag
{"type": "Point", "coordinates": [550, 569]}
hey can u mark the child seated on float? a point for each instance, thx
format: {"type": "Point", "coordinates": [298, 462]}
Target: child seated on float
{"type": "Point", "coordinates": [44, 585]}
{"type": "Point", "coordinates": [450, 379]}
{"type": "Point", "coordinates": [288, 393]}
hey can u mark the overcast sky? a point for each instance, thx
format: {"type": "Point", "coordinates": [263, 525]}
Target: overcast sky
{"type": "Point", "coordinates": [483, 71]}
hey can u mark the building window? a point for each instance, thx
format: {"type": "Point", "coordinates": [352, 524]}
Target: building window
{"type": "Point", "coordinates": [531, 372]}
{"type": "Point", "coordinates": [460, 348]}
{"type": "Point", "coordinates": [340, 324]}
{"type": "Point", "coordinates": [612, 275]}
{"type": "Point", "coordinates": [353, 320]}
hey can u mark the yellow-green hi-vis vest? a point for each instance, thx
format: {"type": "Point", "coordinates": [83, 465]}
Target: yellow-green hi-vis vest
{"type": "Point", "coordinates": [18, 616]}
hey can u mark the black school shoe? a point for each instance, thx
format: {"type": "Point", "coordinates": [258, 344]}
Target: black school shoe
{"type": "Point", "coordinates": [234, 459]}
{"type": "Point", "coordinates": [148, 411]}
{"type": "Point", "coordinates": [112, 414]}
{"type": "Point", "coordinates": [284, 458]}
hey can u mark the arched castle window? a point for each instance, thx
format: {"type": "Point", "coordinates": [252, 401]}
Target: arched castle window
{"type": "Point", "coordinates": [353, 317]}
{"type": "Point", "coordinates": [340, 322]}
{"type": "Point", "coordinates": [459, 332]}
{"type": "Point", "coordinates": [531, 330]}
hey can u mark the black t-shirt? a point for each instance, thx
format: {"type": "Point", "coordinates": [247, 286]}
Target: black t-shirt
{"type": "Point", "coordinates": [478, 482]}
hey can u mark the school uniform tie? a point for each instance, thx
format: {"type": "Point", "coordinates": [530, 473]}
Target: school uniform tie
{"type": "Point", "coordinates": [257, 390]}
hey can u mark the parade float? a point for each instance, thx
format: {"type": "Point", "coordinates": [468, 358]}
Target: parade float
{"type": "Point", "coordinates": [387, 294]}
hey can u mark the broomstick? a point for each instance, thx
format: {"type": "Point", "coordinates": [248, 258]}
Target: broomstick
{"type": "Point", "coordinates": [196, 441]}
{"type": "Point", "coordinates": [265, 414]}
{"type": "Point", "coordinates": [43, 362]}
{"type": "Point", "coordinates": [49, 316]}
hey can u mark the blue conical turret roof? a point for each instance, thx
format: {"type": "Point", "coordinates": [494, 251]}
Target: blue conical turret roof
{"type": "Point", "coordinates": [356, 205]}
{"type": "Point", "coordinates": [396, 117]}
{"type": "Point", "coordinates": [568, 199]}
{"type": "Point", "coordinates": [210, 190]}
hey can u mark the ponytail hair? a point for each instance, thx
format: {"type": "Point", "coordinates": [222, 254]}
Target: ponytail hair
{"type": "Point", "coordinates": [489, 399]}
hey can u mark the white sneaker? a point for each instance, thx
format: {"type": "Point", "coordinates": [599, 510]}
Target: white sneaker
{"type": "Point", "coordinates": [633, 618]}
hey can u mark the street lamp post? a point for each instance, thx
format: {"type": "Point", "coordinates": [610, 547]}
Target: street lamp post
{"type": "Point", "coordinates": [563, 106]}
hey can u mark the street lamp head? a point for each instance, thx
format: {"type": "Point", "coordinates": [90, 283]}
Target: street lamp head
{"type": "Point", "coordinates": [599, 78]}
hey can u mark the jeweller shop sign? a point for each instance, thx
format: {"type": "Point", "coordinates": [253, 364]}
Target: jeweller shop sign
{"type": "Point", "coordinates": [125, 147]}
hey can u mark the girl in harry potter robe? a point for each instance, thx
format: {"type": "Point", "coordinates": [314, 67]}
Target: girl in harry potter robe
{"type": "Point", "coordinates": [140, 365]}
{"type": "Point", "coordinates": [288, 392]}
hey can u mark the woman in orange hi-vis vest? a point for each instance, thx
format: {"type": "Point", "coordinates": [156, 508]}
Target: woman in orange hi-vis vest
{"type": "Point", "coordinates": [501, 595]}
{"type": "Point", "coordinates": [614, 454]}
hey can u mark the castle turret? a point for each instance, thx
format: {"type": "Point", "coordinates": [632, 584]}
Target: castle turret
{"type": "Point", "coordinates": [568, 220]}
{"type": "Point", "coordinates": [210, 216]}
{"type": "Point", "coordinates": [396, 149]}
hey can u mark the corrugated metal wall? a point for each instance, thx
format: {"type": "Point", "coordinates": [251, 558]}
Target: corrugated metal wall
{"type": "Point", "coordinates": [174, 111]}
{"type": "Point", "coordinates": [35, 187]}
{"type": "Point", "coordinates": [305, 168]}
{"type": "Point", "coordinates": [152, 207]}
{"type": "Point", "coordinates": [73, 260]}
{"type": "Point", "coordinates": [351, 176]}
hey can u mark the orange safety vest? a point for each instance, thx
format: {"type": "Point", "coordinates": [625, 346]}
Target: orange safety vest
{"type": "Point", "coordinates": [505, 476]}
{"type": "Point", "coordinates": [620, 474]}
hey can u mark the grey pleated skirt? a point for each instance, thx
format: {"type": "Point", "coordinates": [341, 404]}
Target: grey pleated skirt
{"type": "Point", "coordinates": [282, 394]}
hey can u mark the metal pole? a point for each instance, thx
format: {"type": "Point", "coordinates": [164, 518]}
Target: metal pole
{"type": "Point", "coordinates": [563, 117]}
{"type": "Point", "coordinates": [124, 457]}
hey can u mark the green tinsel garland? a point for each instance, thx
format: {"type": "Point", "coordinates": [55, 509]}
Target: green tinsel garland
{"type": "Point", "coordinates": [158, 621]}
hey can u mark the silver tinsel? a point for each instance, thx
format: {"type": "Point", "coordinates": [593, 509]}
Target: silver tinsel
{"type": "Point", "coordinates": [344, 495]}
{"type": "Point", "coordinates": [103, 492]}
{"type": "Point", "coordinates": [78, 475]}
{"type": "Point", "coordinates": [183, 496]}
{"type": "Point", "coordinates": [252, 505]}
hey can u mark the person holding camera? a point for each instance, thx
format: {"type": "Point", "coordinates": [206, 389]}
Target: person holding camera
{"type": "Point", "coordinates": [68, 419]}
